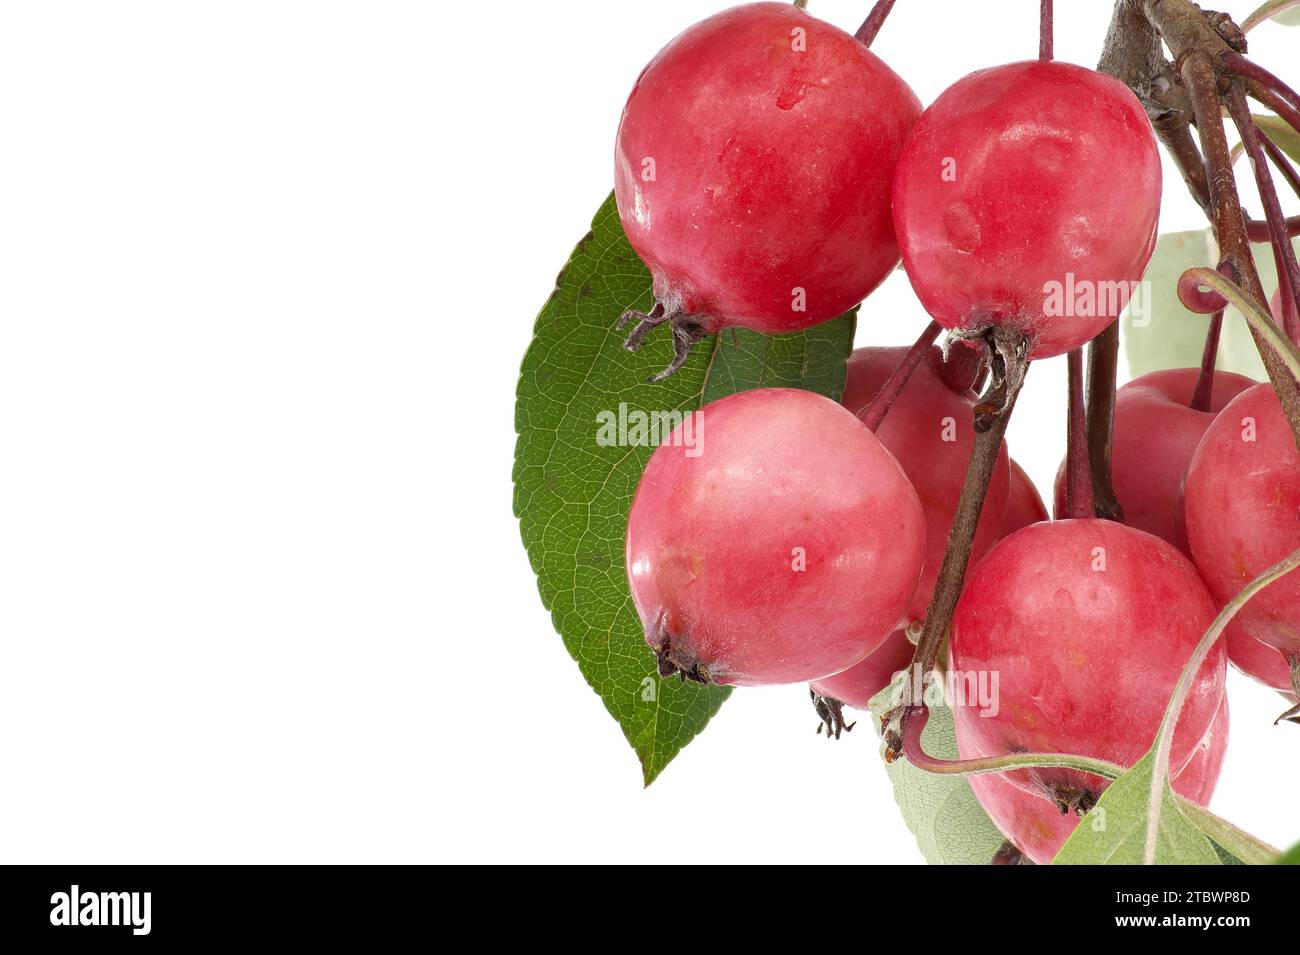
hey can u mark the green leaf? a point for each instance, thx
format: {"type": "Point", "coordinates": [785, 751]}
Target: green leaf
{"type": "Point", "coordinates": [1291, 856]}
{"type": "Point", "coordinates": [1161, 333]}
{"type": "Point", "coordinates": [1241, 847]}
{"type": "Point", "coordinates": [1115, 831]}
{"type": "Point", "coordinates": [950, 826]}
{"type": "Point", "coordinates": [572, 495]}
{"type": "Point", "coordinates": [1280, 131]}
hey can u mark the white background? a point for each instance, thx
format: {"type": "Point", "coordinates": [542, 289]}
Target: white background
{"type": "Point", "coordinates": [267, 271]}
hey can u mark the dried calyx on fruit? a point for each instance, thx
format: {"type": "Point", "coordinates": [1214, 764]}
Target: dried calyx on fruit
{"type": "Point", "coordinates": [752, 174]}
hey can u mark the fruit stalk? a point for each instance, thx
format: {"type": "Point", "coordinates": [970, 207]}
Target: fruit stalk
{"type": "Point", "coordinates": [1103, 367]}
{"type": "Point", "coordinates": [1285, 101]}
{"type": "Point", "coordinates": [1204, 389]}
{"type": "Point", "coordinates": [992, 415]}
{"type": "Point", "coordinates": [1288, 270]}
{"type": "Point", "coordinates": [1228, 219]}
{"type": "Point", "coordinates": [1045, 30]}
{"type": "Point", "coordinates": [1078, 476]}
{"type": "Point", "coordinates": [874, 21]}
{"type": "Point", "coordinates": [898, 378]}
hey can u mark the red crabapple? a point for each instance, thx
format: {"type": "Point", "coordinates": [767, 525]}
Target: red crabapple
{"type": "Point", "coordinates": [1034, 823]}
{"type": "Point", "coordinates": [859, 683]}
{"type": "Point", "coordinates": [1241, 504]}
{"type": "Point", "coordinates": [1086, 625]}
{"type": "Point", "coordinates": [1156, 432]}
{"type": "Point", "coordinates": [1024, 504]}
{"type": "Point", "coordinates": [752, 173]}
{"type": "Point", "coordinates": [930, 430]}
{"type": "Point", "coordinates": [781, 546]}
{"type": "Point", "coordinates": [1026, 197]}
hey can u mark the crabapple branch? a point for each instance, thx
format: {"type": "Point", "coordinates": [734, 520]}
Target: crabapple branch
{"type": "Point", "coordinates": [1165, 736]}
{"type": "Point", "coordinates": [1190, 92]}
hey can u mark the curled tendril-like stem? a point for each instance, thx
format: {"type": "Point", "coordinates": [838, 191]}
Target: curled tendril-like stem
{"type": "Point", "coordinates": [831, 713]}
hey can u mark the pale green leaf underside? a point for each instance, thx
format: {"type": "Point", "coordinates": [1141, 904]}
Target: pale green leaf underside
{"type": "Point", "coordinates": [572, 495]}
{"type": "Point", "coordinates": [1169, 336]}
{"type": "Point", "coordinates": [950, 826]}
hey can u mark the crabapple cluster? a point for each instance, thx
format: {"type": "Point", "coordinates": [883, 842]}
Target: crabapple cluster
{"type": "Point", "coordinates": [770, 171]}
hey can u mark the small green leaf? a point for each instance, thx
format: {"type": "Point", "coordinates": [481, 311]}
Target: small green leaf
{"type": "Point", "coordinates": [1291, 856]}
{"type": "Point", "coordinates": [1159, 332]}
{"type": "Point", "coordinates": [1280, 131]}
{"type": "Point", "coordinates": [572, 494]}
{"type": "Point", "coordinates": [950, 826]}
{"type": "Point", "coordinates": [1115, 831]}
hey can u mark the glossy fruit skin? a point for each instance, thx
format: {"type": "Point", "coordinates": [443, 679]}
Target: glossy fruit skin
{"type": "Point", "coordinates": [1241, 502]}
{"type": "Point", "coordinates": [1086, 658]}
{"type": "Point", "coordinates": [927, 412]}
{"type": "Point", "coordinates": [1053, 171]}
{"type": "Point", "coordinates": [859, 683]}
{"type": "Point", "coordinates": [1024, 504]}
{"type": "Point", "coordinates": [1155, 435]}
{"type": "Point", "coordinates": [1259, 661]}
{"type": "Point", "coordinates": [712, 538]}
{"type": "Point", "coordinates": [772, 169]}
{"type": "Point", "coordinates": [1033, 822]}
